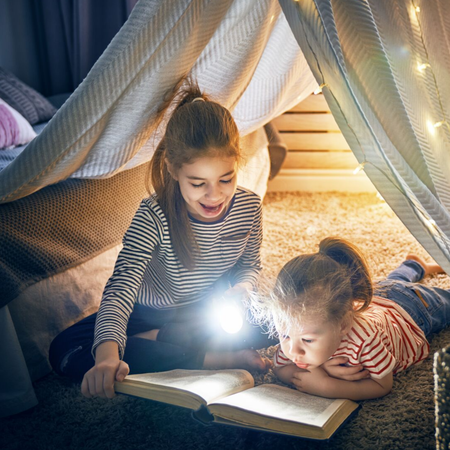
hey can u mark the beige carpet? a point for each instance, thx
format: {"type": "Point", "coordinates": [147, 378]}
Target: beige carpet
{"type": "Point", "coordinates": [294, 223]}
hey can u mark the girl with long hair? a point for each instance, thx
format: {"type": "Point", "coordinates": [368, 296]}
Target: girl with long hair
{"type": "Point", "coordinates": [196, 237]}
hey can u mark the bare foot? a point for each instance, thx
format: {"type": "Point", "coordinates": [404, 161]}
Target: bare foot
{"type": "Point", "coordinates": [150, 335]}
{"type": "Point", "coordinates": [428, 267]}
{"type": "Point", "coordinates": [242, 359]}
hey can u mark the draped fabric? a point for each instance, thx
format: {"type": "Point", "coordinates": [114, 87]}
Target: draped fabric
{"type": "Point", "coordinates": [385, 68]}
{"type": "Point", "coordinates": [242, 53]}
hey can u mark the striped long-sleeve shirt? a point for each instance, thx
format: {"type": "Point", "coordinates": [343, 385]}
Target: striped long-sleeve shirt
{"type": "Point", "coordinates": [384, 339]}
{"type": "Point", "coordinates": [147, 270]}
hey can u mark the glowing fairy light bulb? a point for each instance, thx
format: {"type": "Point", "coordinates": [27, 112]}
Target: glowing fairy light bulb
{"type": "Point", "coordinates": [432, 126]}
{"type": "Point", "coordinates": [430, 223]}
{"type": "Point", "coordinates": [417, 9]}
{"type": "Point", "coordinates": [422, 66]}
{"type": "Point", "coordinates": [359, 168]}
{"type": "Point", "coordinates": [318, 90]}
{"type": "Point", "coordinates": [380, 197]}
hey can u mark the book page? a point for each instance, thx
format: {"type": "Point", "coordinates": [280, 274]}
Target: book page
{"type": "Point", "coordinates": [208, 384]}
{"type": "Point", "coordinates": [280, 403]}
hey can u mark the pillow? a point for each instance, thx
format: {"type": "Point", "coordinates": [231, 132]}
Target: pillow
{"type": "Point", "coordinates": [14, 129]}
{"type": "Point", "coordinates": [24, 99]}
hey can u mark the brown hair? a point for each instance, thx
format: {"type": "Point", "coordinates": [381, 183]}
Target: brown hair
{"type": "Point", "coordinates": [195, 129]}
{"type": "Point", "coordinates": [327, 284]}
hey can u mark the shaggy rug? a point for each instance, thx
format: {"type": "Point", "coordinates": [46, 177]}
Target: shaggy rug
{"type": "Point", "coordinates": [294, 223]}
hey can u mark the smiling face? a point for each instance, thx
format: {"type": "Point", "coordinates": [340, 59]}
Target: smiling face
{"type": "Point", "coordinates": [208, 185]}
{"type": "Point", "coordinates": [313, 344]}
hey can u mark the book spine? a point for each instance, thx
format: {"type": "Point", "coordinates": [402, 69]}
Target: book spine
{"type": "Point", "coordinates": [203, 415]}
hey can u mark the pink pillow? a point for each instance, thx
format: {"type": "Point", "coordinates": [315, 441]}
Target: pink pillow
{"type": "Point", "coordinates": [14, 128]}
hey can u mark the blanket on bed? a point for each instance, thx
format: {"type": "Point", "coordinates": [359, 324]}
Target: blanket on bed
{"type": "Point", "coordinates": [63, 225]}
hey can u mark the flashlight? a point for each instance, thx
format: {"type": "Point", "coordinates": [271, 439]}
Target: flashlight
{"type": "Point", "coordinates": [228, 314]}
{"type": "Point", "coordinates": [230, 317]}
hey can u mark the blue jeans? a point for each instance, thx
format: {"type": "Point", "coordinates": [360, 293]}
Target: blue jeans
{"type": "Point", "coordinates": [428, 306]}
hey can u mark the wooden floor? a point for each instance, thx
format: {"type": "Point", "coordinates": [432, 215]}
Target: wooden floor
{"type": "Point", "coordinates": [319, 158]}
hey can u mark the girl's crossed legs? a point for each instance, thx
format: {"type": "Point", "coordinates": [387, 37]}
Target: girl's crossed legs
{"type": "Point", "coordinates": [187, 339]}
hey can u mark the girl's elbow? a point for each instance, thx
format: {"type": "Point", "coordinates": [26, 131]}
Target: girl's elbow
{"type": "Point", "coordinates": [384, 386]}
{"type": "Point", "coordinates": [385, 390]}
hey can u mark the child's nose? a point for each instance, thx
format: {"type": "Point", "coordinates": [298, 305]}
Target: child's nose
{"type": "Point", "coordinates": [213, 191]}
{"type": "Point", "coordinates": [297, 349]}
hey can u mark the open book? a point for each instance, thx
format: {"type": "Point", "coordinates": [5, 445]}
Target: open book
{"type": "Point", "coordinates": [230, 397]}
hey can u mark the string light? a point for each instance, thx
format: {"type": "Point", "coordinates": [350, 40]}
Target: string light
{"type": "Point", "coordinates": [435, 232]}
{"type": "Point", "coordinates": [422, 67]}
{"type": "Point", "coordinates": [439, 124]}
{"type": "Point", "coordinates": [319, 89]}
{"type": "Point", "coordinates": [359, 168]}
{"type": "Point", "coordinates": [271, 19]}
{"type": "Point", "coordinates": [432, 126]}
{"type": "Point", "coordinates": [430, 223]}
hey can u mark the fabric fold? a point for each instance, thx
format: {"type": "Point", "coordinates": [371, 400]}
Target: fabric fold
{"type": "Point", "coordinates": [243, 54]}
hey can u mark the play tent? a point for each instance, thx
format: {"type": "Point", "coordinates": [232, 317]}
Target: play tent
{"type": "Point", "coordinates": [382, 66]}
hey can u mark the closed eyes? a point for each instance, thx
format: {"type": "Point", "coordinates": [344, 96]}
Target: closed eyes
{"type": "Point", "coordinates": [222, 181]}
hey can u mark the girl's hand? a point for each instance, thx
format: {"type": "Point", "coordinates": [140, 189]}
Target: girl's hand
{"type": "Point", "coordinates": [311, 382]}
{"type": "Point", "coordinates": [239, 291]}
{"type": "Point", "coordinates": [239, 294]}
{"type": "Point", "coordinates": [287, 373]}
{"type": "Point", "coordinates": [335, 368]}
{"type": "Point", "coordinates": [99, 380]}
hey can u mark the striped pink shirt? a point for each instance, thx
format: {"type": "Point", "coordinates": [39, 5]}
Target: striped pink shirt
{"type": "Point", "coordinates": [384, 338]}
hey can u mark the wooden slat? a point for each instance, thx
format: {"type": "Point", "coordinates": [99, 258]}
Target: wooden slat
{"type": "Point", "coordinates": [313, 103]}
{"type": "Point", "coordinates": [320, 160]}
{"type": "Point", "coordinates": [306, 122]}
{"type": "Point", "coordinates": [317, 180]}
{"type": "Point", "coordinates": [315, 141]}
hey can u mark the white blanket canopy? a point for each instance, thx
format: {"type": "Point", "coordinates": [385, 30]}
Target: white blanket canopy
{"type": "Point", "coordinates": [385, 67]}
{"type": "Point", "coordinates": [242, 53]}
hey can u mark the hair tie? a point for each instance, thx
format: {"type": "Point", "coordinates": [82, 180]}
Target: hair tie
{"type": "Point", "coordinates": [198, 99]}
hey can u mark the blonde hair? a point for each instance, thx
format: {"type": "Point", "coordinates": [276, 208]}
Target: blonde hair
{"type": "Point", "coordinates": [195, 129]}
{"type": "Point", "coordinates": [325, 285]}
